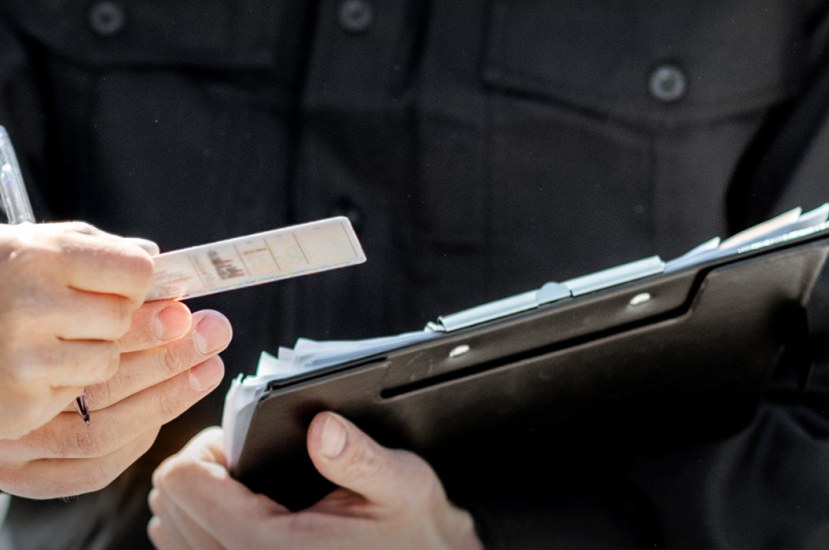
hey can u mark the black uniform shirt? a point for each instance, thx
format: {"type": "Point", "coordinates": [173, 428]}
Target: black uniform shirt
{"type": "Point", "coordinates": [480, 148]}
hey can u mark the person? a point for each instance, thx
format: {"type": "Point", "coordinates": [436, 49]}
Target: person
{"type": "Point", "coordinates": [480, 149]}
{"type": "Point", "coordinates": [75, 321]}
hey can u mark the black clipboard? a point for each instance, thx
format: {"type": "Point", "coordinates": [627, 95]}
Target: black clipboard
{"type": "Point", "coordinates": [609, 365]}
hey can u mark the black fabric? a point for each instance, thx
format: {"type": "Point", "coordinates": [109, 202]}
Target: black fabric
{"type": "Point", "coordinates": [481, 148]}
{"type": "Point", "coordinates": [726, 493]}
{"type": "Point", "coordinates": [772, 161]}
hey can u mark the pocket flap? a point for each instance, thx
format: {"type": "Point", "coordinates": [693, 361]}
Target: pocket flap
{"type": "Point", "coordinates": [662, 62]}
{"type": "Point", "coordinates": [206, 33]}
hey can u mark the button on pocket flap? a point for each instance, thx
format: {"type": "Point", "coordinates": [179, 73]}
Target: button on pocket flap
{"type": "Point", "coordinates": [205, 33]}
{"type": "Point", "coordinates": [647, 61]}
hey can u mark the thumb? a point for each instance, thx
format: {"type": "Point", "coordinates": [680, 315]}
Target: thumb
{"type": "Point", "coordinates": [346, 456]}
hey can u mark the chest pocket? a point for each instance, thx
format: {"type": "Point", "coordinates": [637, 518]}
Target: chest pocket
{"type": "Point", "coordinates": [664, 62]}
{"type": "Point", "coordinates": [628, 119]}
{"type": "Point", "coordinates": [207, 33]}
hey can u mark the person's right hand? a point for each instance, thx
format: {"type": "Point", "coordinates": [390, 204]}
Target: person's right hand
{"type": "Point", "coordinates": [67, 295]}
{"type": "Point", "coordinates": [387, 498]}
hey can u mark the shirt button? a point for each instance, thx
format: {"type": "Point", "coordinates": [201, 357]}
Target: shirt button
{"type": "Point", "coordinates": [667, 83]}
{"type": "Point", "coordinates": [106, 18]}
{"type": "Point", "coordinates": [344, 206]}
{"type": "Point", "coordinates": [356, 16]}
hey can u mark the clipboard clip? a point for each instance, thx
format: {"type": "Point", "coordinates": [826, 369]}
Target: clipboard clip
{"type": "Point", "coordinates": [549, 293]}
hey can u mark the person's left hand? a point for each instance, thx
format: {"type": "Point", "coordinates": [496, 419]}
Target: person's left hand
{"type": "Point", "coordinates": [169, 361]}
{"type": "Point", "coordinates": [387, 499]}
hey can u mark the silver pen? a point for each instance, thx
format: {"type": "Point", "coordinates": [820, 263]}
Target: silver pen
{"type": "Point", "coordinates": [19, 210]}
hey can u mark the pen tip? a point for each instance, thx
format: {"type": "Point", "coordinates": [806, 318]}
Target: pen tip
{"type": "Point", "coordinates": [83, 408]}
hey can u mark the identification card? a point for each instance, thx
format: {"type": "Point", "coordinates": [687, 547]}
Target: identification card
{"type": "Point", "coordinates": [256, 259]}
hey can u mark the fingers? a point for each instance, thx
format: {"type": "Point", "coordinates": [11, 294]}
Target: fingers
{"type": "Point", "coordinates": [98, 316]}
{"type": "Point", "coordinates": [35, 308]}
{"type": "Point", "coordinates": [151, 387]}
{"type": "Point", "coordinates": [178, 529]}
{"type": "Point", "coordinates": [65, 437]}
{"type": "Point", "coordinates": [391, 499]}
{"type": "Point", "coordinates": [155, 323]}
{"type": "Point", "coordinates": [196, 481]}
{"type": "Point", "coordinates": [69, 291]}
{"type": "Point", "coordinates": [349, 458]}
{"type": "Point", "coordinates": [84, 228]}
{"type": "Point", "coordinates": [403, 497]}
{"type": "Point", "coordinates": [210, 334]}
{"type": "Point", "coordinates": [53, 478]}
{"type": "Point", "coordinates": [66, 367]}
{"type": "Point", "coordinates": [20, 413]}
{"type": "Point", "coordinates": [108, 267]}
{"type": "Point", "coordinates": [148, 246]}
{"type": "Point", "coordinates": [174, 526]}
{"type": "Point", "coordinates": [74, 363]}
{"type": "Point", "coordinates": [157, 533]}
{"type": "Point", "coordinates": [79, 256]}
{"type": "Point", "coordinates": [70, 363]}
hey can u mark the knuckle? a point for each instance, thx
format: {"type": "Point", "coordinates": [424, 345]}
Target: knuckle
{"type": "Point", "coordinates": [80, 227]}
{"type": "Point", "coordinates": [135, 261]}
{"type": "Point", "coordinates": [26, 255]}
{"type": "Point", "coordinates": [103, 394]}
{"type": "Point", "coordinates": [154, 500]}
{"type": "Point", "coordinates": [173, 473]}
{"type": "Point", "coordinates": [89, 443]}
{"type": "Point", "coordinates": [144, 267]}
{"type": "Point", "coordinates": [159, 475]}
{"type": "Point", "coordinates": [169, 405]}
{"type": "Point", "coordinates": [10, 478]}
{"type": "Point", "coordinates": [155, 531]}
{"type": "Point", "coordinates": [110, 359]}
{"type": "Point", "coordinates": [366, 461]}
{"type": "Point", "coordinates": [35, 368]}
{"type": "Point", "coordinates": [33, 310]}
{"type": "Point", "coordinates": [22, 423]}
{"type": "Point", "coordinates": [99, 477]}
{"type": "Point", "coordinates": [98, 361]}
{"type": "Point", "coordinates": [33, 261]}
{"type": "Point", "coordinates": [97, 440]}
{"type": "Point", "coordinates": [178, 470]}
{"type": "Point", "coordinates": [9, 240]}
{"type": "Point", "coordinates": [426, 489]}
{"type": "Point", "coordinates": [102, 472]}
{"type": "Point", "coordinates": [32, 419]}
{"type": "Point", "coordinates": [144, 442]}
{"type": "Point", "coordinates": [122, 313]}
{"type": "Point", "coordinates": [171, 360]}
{"type": "Point", "coordinates": [30, 368]}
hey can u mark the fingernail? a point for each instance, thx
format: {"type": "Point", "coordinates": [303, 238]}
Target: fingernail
{"type": "Point", "coordinates": [212, 333]}
{"type": "Point", "coordinates": [334, 436]}
{"type": "Point", "coordinates": [171, 322]}
{"type": "Point", "coordinates": [207, 375]}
